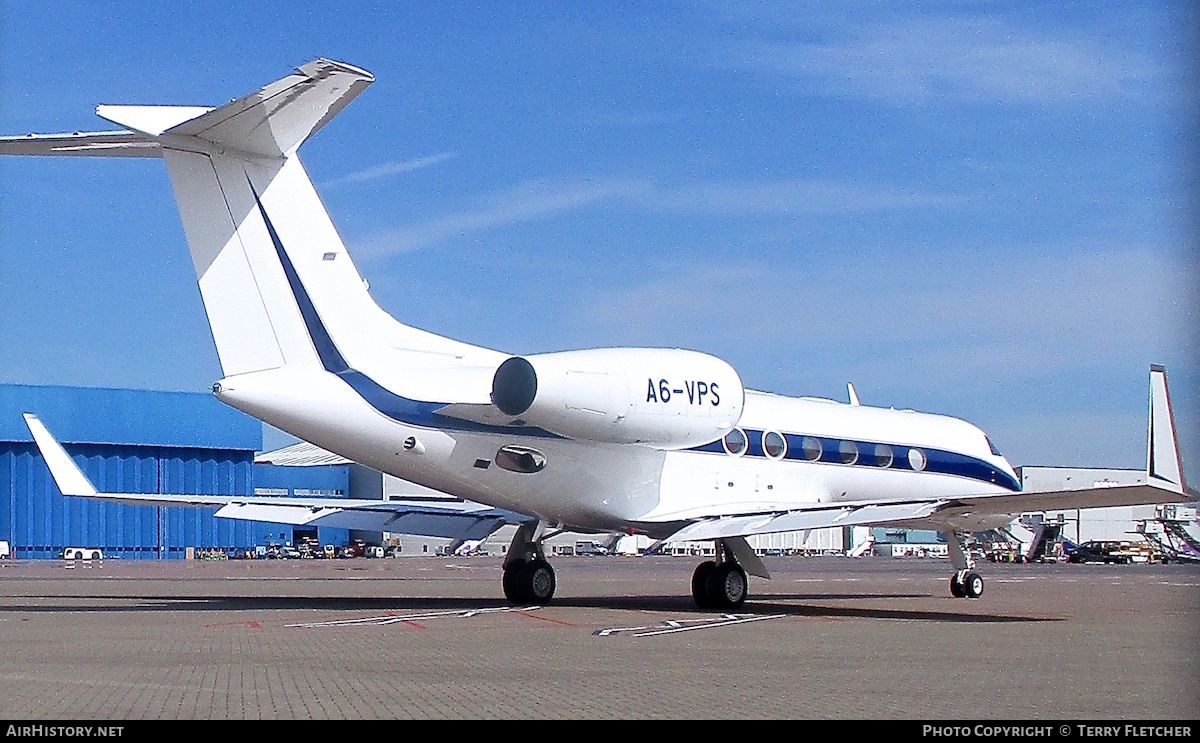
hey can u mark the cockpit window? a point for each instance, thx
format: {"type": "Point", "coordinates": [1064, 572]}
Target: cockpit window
{"type": "Point", "coordinates": [995, 451]}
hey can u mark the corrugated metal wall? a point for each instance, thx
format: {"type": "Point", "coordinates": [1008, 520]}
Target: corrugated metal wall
{"type": "Point", "coordinates": [39, 522]}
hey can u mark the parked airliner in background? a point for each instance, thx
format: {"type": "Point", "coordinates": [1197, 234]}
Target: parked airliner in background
{"type": "Point", "coordinates": [661, 442]}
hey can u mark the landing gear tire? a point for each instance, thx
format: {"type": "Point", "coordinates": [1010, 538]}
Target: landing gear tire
{"type": "Point", "coordinates": [700, 584]}
{"type": "Point", "coordinates": [536, 581]}
{"type": "Point", "coordinates": [972, 585]}
{"type": "Point", "coordinates": [726, 586]}
{"type": "Point", "coordinates": [956, 587]}
{"type": "Point", "coordinates": [531, 582]}
{"type": "Point", "coordinates": [512, 572]}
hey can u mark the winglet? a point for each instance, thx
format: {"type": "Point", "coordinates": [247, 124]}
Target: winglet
{"type": "Point", "coordinates": [68, 477]}
{"type": "Point", "coordinates": [1163, 464]}
{"type": "Point", "coordinates": [853, 393]}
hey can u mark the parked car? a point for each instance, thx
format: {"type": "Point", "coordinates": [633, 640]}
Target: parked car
{"type": "Point", "coordinates": [82, 553]}
{"type": "Point", "coordinates": [288, 552]}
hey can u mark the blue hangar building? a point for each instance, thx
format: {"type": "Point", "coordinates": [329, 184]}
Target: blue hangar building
{"type": "Point", "coordinates": [144, 442]}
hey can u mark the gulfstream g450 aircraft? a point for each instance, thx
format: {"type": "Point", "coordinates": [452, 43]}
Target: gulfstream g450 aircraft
{"type": "Point", "coordinates": [661, 442]}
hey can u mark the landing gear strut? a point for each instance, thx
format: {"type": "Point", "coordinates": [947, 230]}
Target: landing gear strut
{"type": "Point", "coordinates": [528, 577]}
{"type": "Point", "coordinates": [720, 583]}
{"type": "Point", "coordinates": [965, 583]}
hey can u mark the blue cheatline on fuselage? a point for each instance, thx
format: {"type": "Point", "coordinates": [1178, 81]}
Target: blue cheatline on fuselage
{"type": "Point", "coordinates": [936, 460]}
{"type": "Point", "coordinates": [397, 407]}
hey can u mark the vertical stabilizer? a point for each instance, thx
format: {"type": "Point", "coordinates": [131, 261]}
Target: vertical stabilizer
{"type": "Point", "coordinates": [1163, 464]}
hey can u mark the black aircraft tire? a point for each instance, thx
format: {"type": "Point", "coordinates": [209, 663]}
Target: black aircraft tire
{"type": "Point", "coordinates": [700, 584]}
{"type": "Point", "coordinates": [537, 582]}
{"type": "Point", "coordinates": [956, 587]}
{"type": "Point", "coordinates": [727, 586]}
{"type": "Point", "coordinates": [512, 591]}
{"type": "Point", "coordinates": [973, 585]}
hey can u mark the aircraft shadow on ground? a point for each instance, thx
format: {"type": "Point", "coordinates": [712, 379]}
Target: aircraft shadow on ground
{"type": "Point", "coordinates": [793, 605]}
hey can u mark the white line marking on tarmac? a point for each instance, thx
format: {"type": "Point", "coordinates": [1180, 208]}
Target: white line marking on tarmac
{"type": "Point", "coordinates": [672, 626]}
{"type": "Point", "coordinates": [396, 618]}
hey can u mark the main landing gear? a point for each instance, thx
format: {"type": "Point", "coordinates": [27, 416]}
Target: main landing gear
{"type": "Point", "coordinates": [965, 583]}
{"type": "Point", "coordinates": [528, 577]}
{"type": "Point", "coordinates": [720, 583]}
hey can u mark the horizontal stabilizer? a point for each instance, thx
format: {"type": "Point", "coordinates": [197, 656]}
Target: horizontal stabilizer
{"type": "Point", "coordinates": [152, 120]}
{"type": "Point", "coordinates": [274, 121]}
{"type": "Point", "coordinates": [83, 144]}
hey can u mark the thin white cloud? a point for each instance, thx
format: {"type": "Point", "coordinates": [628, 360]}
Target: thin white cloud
{"type": "Point", "coordinates": [543, 198]}
{"type": "Point", "coordinates": [881, 316]}
{"type": "Point", "coordinates": [979, 59]}
{"type": "Point", "coordinates": [532, 200]}
{"type": "Point", "coordinates": [792, 196]}
{"type": "Point", "coordinates": [388, 169]}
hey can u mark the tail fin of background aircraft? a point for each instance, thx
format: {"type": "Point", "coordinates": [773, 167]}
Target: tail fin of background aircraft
{"type": "Point", "coordinates": [1163, 464]}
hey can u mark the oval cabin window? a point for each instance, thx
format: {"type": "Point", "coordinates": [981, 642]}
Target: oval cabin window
{"type": "Point", "coordinates": [916, 459]}
{"type": "Point", "coordinates": [848, 452]}
{"type": "Point", "coordinates": [774, 445]}
{"type": "Point", "coordinates": [883, 455]}
{"type": "Point", "coordinates": [735, 442]}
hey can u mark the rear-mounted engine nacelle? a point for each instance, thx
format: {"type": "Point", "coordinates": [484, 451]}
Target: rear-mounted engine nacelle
{"type": "Point", "coordinates": [660, 397]}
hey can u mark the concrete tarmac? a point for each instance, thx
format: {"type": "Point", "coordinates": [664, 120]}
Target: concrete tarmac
{"type": "Point", "coordinates": [426, 637]}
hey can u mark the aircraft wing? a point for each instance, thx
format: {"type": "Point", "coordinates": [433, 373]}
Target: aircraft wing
{"type": "Point", "coordinates": [954, 514]}
{"type": "Point", "coordinates": [452, 520]}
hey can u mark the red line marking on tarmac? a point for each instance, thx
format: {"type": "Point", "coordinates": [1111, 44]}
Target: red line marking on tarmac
{"type": "Point", "coordinates": [252, 625]}
{"type": "Point", "coordinates": [411, 623]}
{"type": "Point", "coordinates": [546, 619]}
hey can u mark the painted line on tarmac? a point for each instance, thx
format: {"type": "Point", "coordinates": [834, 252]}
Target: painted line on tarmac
{"type": "Point", "coordinates": [672, 626]}
{"type": "Point", "coordinates": [393, 618]}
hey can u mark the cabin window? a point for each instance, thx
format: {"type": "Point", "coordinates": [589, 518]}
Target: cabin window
{"type": "Point", "coordinates": [848, 452]}
{"type": "Point", "coordinates": [811, 448]}
{"type": "Point", "coordinates": [520, 459]}
{"type": "Point", "coordinates": [735, 442]}
{"type": "Point", "coordinates": [774, 445]}
{"type": "Point", "coordinates": [916, 459]}
{"type": "Point", "coordinates": [883, 455]}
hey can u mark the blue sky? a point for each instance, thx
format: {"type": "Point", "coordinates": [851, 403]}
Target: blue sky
{"type": "Point", "coordinates": [979, 209]}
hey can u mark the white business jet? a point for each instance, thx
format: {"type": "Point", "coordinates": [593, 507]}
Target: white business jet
{"type": "Point", "coordinates": [661, 442]}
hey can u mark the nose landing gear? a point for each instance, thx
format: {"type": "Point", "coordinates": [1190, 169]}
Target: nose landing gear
{"type": "Point", "coordinates": [965, 583]}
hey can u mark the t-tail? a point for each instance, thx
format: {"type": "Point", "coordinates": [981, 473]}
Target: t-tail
{"type": "Point", "coordinates": [277, 282]}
